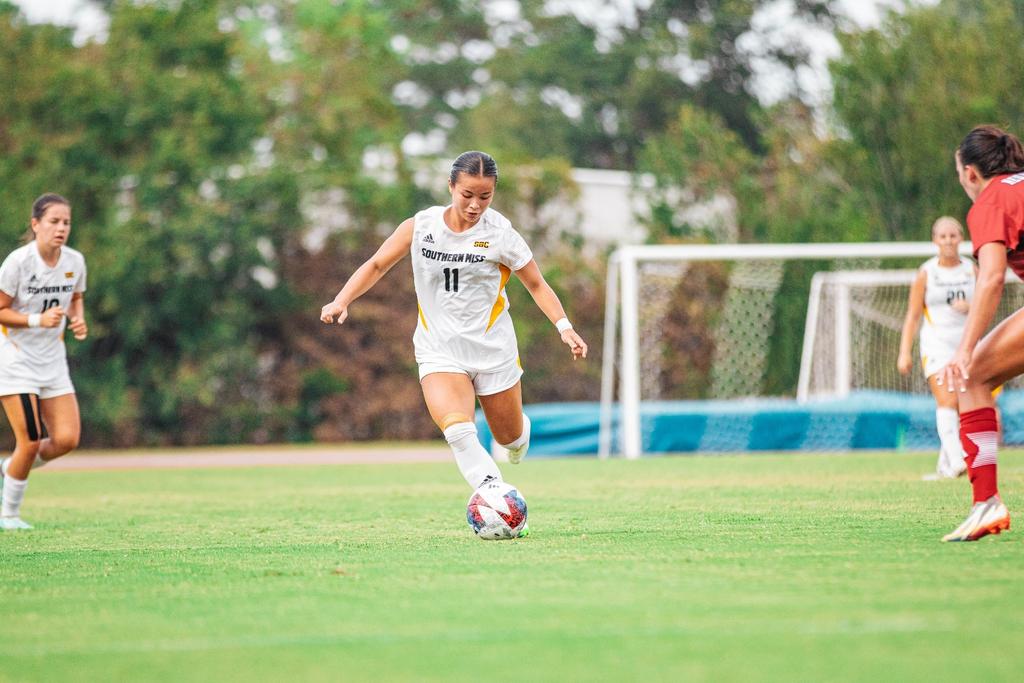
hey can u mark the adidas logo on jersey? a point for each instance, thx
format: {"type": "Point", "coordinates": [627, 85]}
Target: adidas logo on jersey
{"type": "Point", "coordinates": [429, 239]}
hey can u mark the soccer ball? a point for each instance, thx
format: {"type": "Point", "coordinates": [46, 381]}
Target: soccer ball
{"type": "Point", "coordinates": [496, 511]}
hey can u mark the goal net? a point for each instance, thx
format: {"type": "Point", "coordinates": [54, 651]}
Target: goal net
{"type": "Point", "coordinates": [722, 326]}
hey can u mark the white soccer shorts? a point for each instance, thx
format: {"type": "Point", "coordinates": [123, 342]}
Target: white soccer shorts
{"type": "Point", "coordinates": [484, 383]}
{"type": "Point", "coordinates": [20, 376]}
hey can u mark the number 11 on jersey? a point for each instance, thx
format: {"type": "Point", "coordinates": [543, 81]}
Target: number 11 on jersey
{"type": "Point", "coordinates": [451, 279]}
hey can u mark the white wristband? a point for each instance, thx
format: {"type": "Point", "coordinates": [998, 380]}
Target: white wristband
{"type": "Point", "coordinates": [35, 319]}
{"type": "Point", "coordinates": [563, 325]}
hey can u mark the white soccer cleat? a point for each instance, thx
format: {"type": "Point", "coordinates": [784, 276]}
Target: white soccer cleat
{"type": "Point", "coordinates": [516, 455]}
{"type": "Point", "coordinates": [988, 517]}
{"type": "Point", "coordinates": [13, 524]}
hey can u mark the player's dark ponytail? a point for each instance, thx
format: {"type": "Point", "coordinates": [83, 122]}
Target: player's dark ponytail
{"type": "Point", "coordinates": [39, 207]}
{"type": "Point", "coordinates": [474, 164]}
{"type": "Point", "coordinates": [992, 151]}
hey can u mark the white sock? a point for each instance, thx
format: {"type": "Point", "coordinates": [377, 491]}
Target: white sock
{"type": "Point", "coordinates": [470, 455]}
{"type": "Point", "coordinates": [14, 491]}
{"type": "Point", "coordinates": [524, 438]}
{"type": "Point", "coordinates": [947, 424]}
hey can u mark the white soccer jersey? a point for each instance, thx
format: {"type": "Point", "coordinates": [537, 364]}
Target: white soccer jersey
{"type": "Point", "coordinates": [944, 325]}
{"type": "Point", "coordinates": [460, 287]}
{"type": "Point", "coordinates": [35, 287]}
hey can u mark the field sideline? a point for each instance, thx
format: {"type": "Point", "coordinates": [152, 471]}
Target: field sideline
{"type": "Point", "coordinates": [727, 568]}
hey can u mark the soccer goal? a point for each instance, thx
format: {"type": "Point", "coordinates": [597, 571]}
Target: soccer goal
{"type": "Point", "coordinates": [719, 326]}
{"type": "Point", "coordinates": [854, 318]}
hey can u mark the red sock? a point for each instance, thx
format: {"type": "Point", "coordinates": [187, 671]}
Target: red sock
{"type": "Point", "coordinates": [979, 435]}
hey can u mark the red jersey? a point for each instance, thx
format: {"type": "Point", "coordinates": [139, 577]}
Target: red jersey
{"type": "Point", "coordinates": [998, 216]}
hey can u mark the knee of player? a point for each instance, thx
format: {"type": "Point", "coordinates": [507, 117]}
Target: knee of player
{"type": "Point", "coordinates": [453, 419]}
{"type": "Point", "coordinates": [64, 443]}
{"type": "Point", "coordinates": [457, 426]}
{"type": "Point", "coordinates": [984, 384]}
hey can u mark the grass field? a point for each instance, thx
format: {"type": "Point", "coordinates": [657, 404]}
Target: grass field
{"type": "Point", "coordinates": [738, 568]}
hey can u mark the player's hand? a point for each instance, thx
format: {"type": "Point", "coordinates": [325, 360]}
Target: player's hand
{"type": "Point", "coordinates": [904, 363]}
{"type": "Point", "coordinates": [78, 328]}
{"type": "Point", "coordinates": [960, 306]}
{"type": "Point", "coordinates": [333, 312]}
{"type": "Point", "coordinates": [51, 317]}
{"type": "Point", "coordinates": [955, 375]}
{"type": "Point", "coordinates": [576, 343]}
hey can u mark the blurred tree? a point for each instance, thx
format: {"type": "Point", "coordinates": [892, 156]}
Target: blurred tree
{"type": "Point", "coordinates": [187, 288]}
{"type": "Point", "coordinates": [589, 85]}
{"type": "Point", "coordinates": [43, 135]}
{"type": "Point", "coordinates": [906, 94]}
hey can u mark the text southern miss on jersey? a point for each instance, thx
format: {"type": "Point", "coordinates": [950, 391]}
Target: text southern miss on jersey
{"type": "Point", "coordinates": [452, 258]}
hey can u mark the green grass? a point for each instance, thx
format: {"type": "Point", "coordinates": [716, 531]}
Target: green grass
{"type": "Point", "coordinates": [739, 568]}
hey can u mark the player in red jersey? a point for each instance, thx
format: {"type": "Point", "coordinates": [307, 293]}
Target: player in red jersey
{"type": "Point", "coordinates": [990, 164]}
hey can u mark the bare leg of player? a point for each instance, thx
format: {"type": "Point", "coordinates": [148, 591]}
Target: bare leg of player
{"type": "Point", "coordinates": [509, 424]}
{"type": "Point", "coordinates": [997, 358]}
{"type": "Point", "coordinates": [947, 423]}
{"type": "Point", "coordinates": [451, 400]}
{"type": "Point", "coordinates": [60, 415]}
{"type": "Point", "coordinates": [23, 414]}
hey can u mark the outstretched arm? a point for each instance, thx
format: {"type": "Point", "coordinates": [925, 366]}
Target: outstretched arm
{"type": "Point", "coordinates": [915, 307]}
{"type": "Point", "coordinates": [548, 302]}
{"type": "Point", "coordinates": [366, 276]}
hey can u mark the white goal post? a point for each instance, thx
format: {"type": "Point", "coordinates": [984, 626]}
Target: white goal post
{"type": "Point", "coordinates": [622, 355]}
{"type": "Point", "coordinates": [839, 285]}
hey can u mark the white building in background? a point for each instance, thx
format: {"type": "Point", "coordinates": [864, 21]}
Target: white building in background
{"type": "Point", "coordinates": [612, 205]}
{"type": "Point", "coordinates": [609, 203]}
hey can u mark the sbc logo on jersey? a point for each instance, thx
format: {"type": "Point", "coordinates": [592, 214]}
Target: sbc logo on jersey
{"type": "Point", "coordinates": [482, 245]}
{"type": "Point", "coordinates": [69, 275]}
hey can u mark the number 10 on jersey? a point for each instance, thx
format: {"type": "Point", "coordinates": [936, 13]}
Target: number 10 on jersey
{"type": "Point", "coordinates": [451, 279]}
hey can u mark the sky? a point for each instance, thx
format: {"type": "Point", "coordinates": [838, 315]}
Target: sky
{"type": "Point", "coordinates": [773, 21]}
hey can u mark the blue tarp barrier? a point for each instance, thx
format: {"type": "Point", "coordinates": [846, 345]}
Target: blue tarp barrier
{"type": "Point", "coordinates": [861, 420]}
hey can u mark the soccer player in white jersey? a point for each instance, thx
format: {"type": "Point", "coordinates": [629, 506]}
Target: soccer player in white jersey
{"type": "Point", "coordinates": [42, 285]}
{"type": "Point", "coordinates": [941, 294]}
{"type": "Point", "coordinates": [462, 256]}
